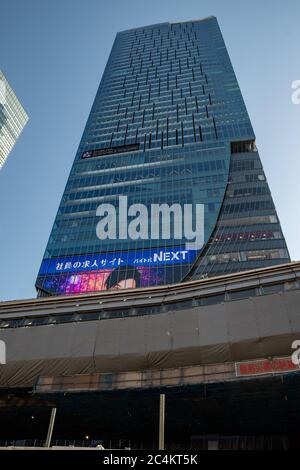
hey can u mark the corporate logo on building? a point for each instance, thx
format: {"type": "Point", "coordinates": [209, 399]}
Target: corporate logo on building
{"type": "Point", "coordinates": [184, 222]}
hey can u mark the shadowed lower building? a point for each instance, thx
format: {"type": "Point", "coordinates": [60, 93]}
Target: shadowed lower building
{"type": "Point", "coordinates": [168, 126]}
{"type": "Point", "coordinates": [220, 349]}
{"type": "Point", "coordinates": [13, 118]}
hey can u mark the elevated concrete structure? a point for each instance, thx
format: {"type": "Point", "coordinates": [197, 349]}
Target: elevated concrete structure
{"type": "Point", "coordinates": [252, 315]}
{"type": "Point", "coordinates": [220, 349]}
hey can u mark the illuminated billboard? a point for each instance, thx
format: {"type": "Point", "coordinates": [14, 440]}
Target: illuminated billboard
{"type": "Point", "coordinates": [121, 270]}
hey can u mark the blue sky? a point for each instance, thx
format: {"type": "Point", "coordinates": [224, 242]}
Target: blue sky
{"type": "Point", "coordinates": [53, 53]}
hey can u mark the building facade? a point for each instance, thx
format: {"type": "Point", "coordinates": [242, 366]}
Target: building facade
{"type": "Point", "coordinates": [103, 359]}
{"type": "Point", "coordinates": [168, 128]}
{"type": "Point", "coordinates": [13, 119]}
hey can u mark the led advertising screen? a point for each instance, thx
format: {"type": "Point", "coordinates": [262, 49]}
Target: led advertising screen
{"type": "Point", "coordinates": [110, 271]}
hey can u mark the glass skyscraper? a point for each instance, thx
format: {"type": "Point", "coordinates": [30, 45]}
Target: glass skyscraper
{"type": "Point", "coordinates": [13, 118]}
{"type": "Point", "coordinates": [168, 127]}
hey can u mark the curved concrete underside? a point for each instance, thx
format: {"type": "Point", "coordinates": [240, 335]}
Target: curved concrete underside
{"type": "Point", "coordinates": [261, 326]}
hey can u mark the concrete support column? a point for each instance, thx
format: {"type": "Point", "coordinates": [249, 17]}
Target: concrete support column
{"type": "Point", "coordinates": [50, 428]}
{"type": "Point", "coordinates": [161, 442]}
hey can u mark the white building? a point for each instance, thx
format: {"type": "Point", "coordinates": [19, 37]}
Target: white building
{"type": "Point", "coordinates": [13, 119]}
